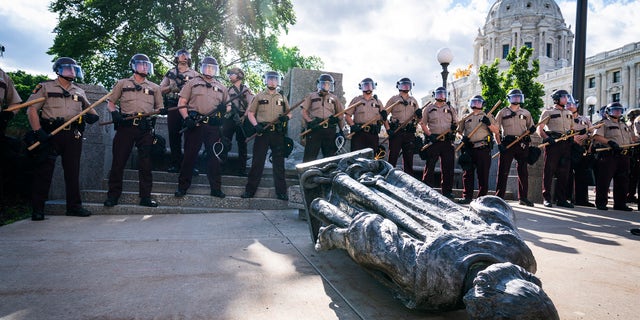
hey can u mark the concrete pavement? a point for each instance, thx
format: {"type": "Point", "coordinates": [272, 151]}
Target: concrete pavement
{"type": "Point", "coordinates": [262, 265]}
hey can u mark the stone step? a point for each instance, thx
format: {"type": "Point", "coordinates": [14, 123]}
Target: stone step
{"type": "Point", "coordinates": [161, 176]}
{"type": "Point", "coordinates": [58, 207]}
{"type": "Point", "coordinates": [197, 189]}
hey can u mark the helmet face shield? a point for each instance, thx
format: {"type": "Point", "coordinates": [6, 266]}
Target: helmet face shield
{"type": "Point", "coordinates": [367, 85]}
{"type": "Point", "coordinates": [144, 67]}
{"type": "Point", "coordinates": [326, 86]}
{"type": "Point", "coordinates": [571, 103]}
{"type": "Point", "coordinates": [71, 71]}
{"type": "Point", "coordinates": [516, 98]}
{"type": "Point", "coordinates": [440, 94]}
{"type": "Point", "coordinates": [209, 69]}
{"type": "Point", "coordinates": [476, 103]}
{"type": "Point", "coordinates": [272, 80]}
{"type": "Point", "coordinates": [404, 85]}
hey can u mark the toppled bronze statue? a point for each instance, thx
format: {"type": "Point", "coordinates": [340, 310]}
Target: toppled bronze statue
{"type": "Point", "coordinates": [432, 253]}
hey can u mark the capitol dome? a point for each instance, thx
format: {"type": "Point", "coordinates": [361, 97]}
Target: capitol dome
{"type": "Point", "coordinates": [531, 10]}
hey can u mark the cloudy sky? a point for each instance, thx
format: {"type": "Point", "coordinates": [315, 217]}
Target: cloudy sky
{"type": "Point", "coordinates": [381, 39]}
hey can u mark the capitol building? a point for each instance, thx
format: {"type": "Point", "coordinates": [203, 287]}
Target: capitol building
{"type": "Point", "coordinates": [539, 24]}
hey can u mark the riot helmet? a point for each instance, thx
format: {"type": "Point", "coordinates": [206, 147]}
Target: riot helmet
{"type": "Point", "coordinates": [237, 71]}
{"type": "Point", "coordinates": [404, 85]}
{"type": "Point", "coordinates": [477, 102]}
{"type": "Point", "coordinates": [558, 94]}
{"type": "Point", "coordinates": [440, 94]}
{"type": "Point", "coordinates": [515, 96]}
{"type": "Point", "coordinates": [272, 80]}
{"type": "Point", "coordinates": [141, 65]}
{"type": "Point", "coordinates": [67, 68]}
{"type": "Point", "coordinates": [325, 83]}
{"type": "Point", "coordinates": [367, 85]}
{"type": "Point", "coordinates": [209, 67]}
{"type": "Point", "coordinates": [183, 56]}
{"type": "Point", "coordinates": [614, 110]}
{"type": "Point", "coordinates": [571, 105]}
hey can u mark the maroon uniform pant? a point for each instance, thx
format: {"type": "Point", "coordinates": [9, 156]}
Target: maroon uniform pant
{"type": "Point", "coordinates": [193, 140]}
{"type": "Point", "coordinates": [273, 140]}
{"type": "Point", "coordinates": [519, 152]}
{"type": "Point", "coordinates": [174, 125]}
{"type": "Point", "coordinates": [557, 162]}
{"type": "Point", "coordinates": [614, 166]}
{"type": "Point", "coordinates": [123, 141]}
{"type": "Point", "coordinates": [65, 145]}
{"type": "Point", "coordinates": [481, 164]}
{"type": "Point", "coordinates": [362, 140]}
{"type": "Point", "coordinates": [231, 128]}
{"type": "Point", "coordinates": [444, 151]}
{"type": "Point", "coordinates": [320, 139]}
{"type": "Point", "coordinates": [402, 141]}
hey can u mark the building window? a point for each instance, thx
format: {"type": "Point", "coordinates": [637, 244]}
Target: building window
{"type": "Point", "coordinates": [616, 76]}
{"type": "Point", "coordinates": [528, 44]}
{"type": "Point", "coordinates": [549, 50]}
{"type": "Point", "coordinates": [615, 97]}
{"type": "Point", "coordinates": [592, 82]}
{"type": "Point", "coordinates": [505, 51]}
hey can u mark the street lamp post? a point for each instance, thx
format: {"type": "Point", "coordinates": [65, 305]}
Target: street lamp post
{"type": "Point", "coordinates": [591, 102]}
{"type": "Point", "coordinates": [445, 56]}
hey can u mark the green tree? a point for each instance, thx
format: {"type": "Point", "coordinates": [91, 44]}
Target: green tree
{"type": "Point", "coordinates": [521, 74]}
{"type": "Point", "coordinates": [24, 83]}
{"type": "Point", "coordinates": [103, 34]}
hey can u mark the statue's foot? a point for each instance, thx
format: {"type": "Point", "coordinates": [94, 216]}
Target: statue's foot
{"type": "Point", "coordinates": [326, 238]}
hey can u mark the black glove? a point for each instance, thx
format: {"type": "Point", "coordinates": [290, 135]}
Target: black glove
{"type": "Point", "coordinates": [42, 135]}
{"type": "Point", "coordinates": [549, 140]}
{"type": "Point", "coordinates": [502, 148]}
{"type": "Point", "coordinates": [189, 123]}
{"type": "Point", "coordinates": [418, 113]}
{"type": "Point", "coordinates": [313, 124]}
{"type": "Point", "coordinates": [383, 115]}
{"type": "Point", "coordinates": [355, 128]}
{"type": "Point", "coordinates": [222, 108]}
{"type": "Point", "coordinates": [6, 116]}
{"type": "Point", "coordinates": [614, 145]}
{"type": "Point", "coordinates": [164, 111]}
{"type": "Point", "coordinates": [583, 131]}
{"type": "Point", "coordinates": [333, 120]}
{"type": "Point", "coordinates": [91, 118]}
{"type": "Point", "coordinates": [453, 127]}
{"type": "Point", "coordinates": [532, 129]}
{"type": "Point", "coordinates": [390, 133]}
{"type": "Point", "coordinates": [116, 117]}
{"type": "Point", "coordinates": [467, 142]}
{"type": "Point", "coordinates": [283, 118]}
{"type": "Point", "coordinates": [486, 120]}
{"type": "Point", "coordinates": [259, 128]}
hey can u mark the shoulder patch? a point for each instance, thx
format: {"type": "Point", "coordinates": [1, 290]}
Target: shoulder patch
{"type": "Point", "coordinates": [37, 88]}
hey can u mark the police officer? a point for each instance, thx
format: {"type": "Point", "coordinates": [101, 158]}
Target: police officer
{"type": "Point", "coordinates": [634, 168]}
{"type": "Point", "coordinates": [369, 109]}
{"type": "Point", "coordinates": [557, 156]}
{"type": "Point", "coordinates": [513, 122]}
{"type": "Point", "coordinates": [63, 101]}
{"type": "Point", "coordinates": [232, 124]}
{"type": "Point", "coordinates": [170, 86]}
{"type": "Point", "coordinates": [266, 107]}
{"type": "Point", "coordinates": [440, 119]}
{"type": "Point", "coordinates": [578, 182]}
{"type": "Point", "coordinates": [317, 107]}
{"type": "Point", "coordinates": [614, 163]}
{"type": "Point", "coordinates": [136, 95]}
{"type": "Point", "coordinates": [9, 97]}
{"type": "Point", "coordinates": [478, 146]}
{"type": "Point", "coordinates": [408, 111]}
{"type": "Point", "coordinates": [206, 99]}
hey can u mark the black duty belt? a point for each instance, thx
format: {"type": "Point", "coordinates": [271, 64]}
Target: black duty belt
{"type": "Point", "coordinates": [51, 124]}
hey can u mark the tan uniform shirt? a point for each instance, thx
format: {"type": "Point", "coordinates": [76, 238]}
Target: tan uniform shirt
{"type": "Point", "coordinates": [240, 103]}
{"type": "Point", "coordinates": [322, 107]}
{"type": "Point", "coordinates": [367, 111]}
{"type": "Point", "coordinates": [173, 83]}
{"type": "Point", "coordinates": [57, 103]}
{"type": "Point", "coordinates": [267, 107]}
{"type": "Point", "coordinates": [560, 120]}
{"type": "Point", "coordinates": [482, 135]}
{"type": "Point", "coordinates": [514, 123]}
{"type": "Point", "coordinates": [202, 96]}
{"type": "Point", "coordinates": [636, 127]}
{"type": "Point", "coordinates": [400, 112]}
{"type": "Point", "coordinates": [616, 131]}
{"type": "Point", "coordinates": [8, 93]}
{"type": "Point", "coordinates": [132, 100]}
{"type": "Point", "coordinates": [439, 119]}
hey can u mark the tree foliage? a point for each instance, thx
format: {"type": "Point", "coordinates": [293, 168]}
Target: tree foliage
{"type": "Point", "coordinates": [103, 34]}
{"type": "Point", "coordinates": [522, 74]}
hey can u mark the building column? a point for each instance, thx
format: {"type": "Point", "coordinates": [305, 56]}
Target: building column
{"type": "Point", "coordinates": [624, 94]}
{"type": "Point", "coordinates": [633, 85]}
{"type": "Point", "coordinates": [603, 99]}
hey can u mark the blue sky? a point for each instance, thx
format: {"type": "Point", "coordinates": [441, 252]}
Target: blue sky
{"type": "Point", "coordinates": [382, 39]}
